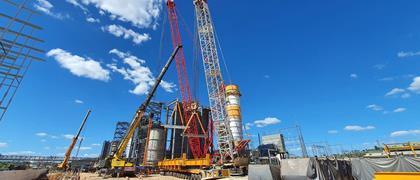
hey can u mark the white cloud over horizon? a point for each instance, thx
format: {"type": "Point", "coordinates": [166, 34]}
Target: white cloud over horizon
{"type": "Point", "coordinates": [136, 72]}
{"type": "Point", "coordinates": [358, 128]}
{"type": "Point", "coordinates": [267, 121]}
{"type": "Point", "coordinates": [3, 144]}
{"type": "Point", "coordinates": [405, 133]}
{"type": "Point", "coordinates": [354, 76]}
{"type": "Point", "coordinates": [80, 66]}
{"type": "Point", "coordinates": [119, 31]}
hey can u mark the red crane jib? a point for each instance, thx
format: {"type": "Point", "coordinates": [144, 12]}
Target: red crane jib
{"type": "Point", "coordinates": [184, 86]}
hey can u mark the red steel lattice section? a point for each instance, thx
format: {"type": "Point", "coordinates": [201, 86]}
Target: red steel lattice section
{"type": "Point", "coordinates": [184, 86]}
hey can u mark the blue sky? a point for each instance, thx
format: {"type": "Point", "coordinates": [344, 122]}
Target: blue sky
{"type": "Point", "coordinates": [344, 71]}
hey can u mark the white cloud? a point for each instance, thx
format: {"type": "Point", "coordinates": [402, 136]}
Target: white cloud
{"type": "Point", "coordinates": [354, 76]}
{"type": "Point", "coordinates": [405, 133]}
{"type": "Point", "coordinates": [3, 144]}
{"type": "Point", "coordinates": [80, 66]}
{"type": "Point", "coordinates": [90, 155]}
{"type": "Point", "coordinates": [374, 107]}
{"type": "Point", "coordinates": [140, 13]}
{"type": "Point", "coordinates": [85, 148]}
{"type": "Point", "coordinates": [46, 7]}
{"type": "Point", "coordinates": [403, 54]}
{"type": "Point", "coordinates": [68, 136]}
{"type": "Point", "coordinates": [267, 121]}
{"type": "Point", "coordinates": [415, 85]}
{"type": "Point", "coordinates": [358, 128]}
{"type": "Point", "coordinates": [398, 110]}
{"type": "Point", "coordinates": [96, 144]}
{"type": "Point", "coordinates": [395, 91]}
{"type": "Point", "coordinates": [267, 76]}
{"type": "Point", "coordinates": [78, 101]}
{"type": "Point", "coordinates": [41, 134]}
{"type": "Point", "coordinates": [332, 132]}
{"type": "Point", "coordinates": [92, 20]}
{"type": "Point", "coordinates": [47, 148]}
{"type": "Point", "coordinates": [248, 126]}
{"type": "Point", "coordinates": [398, 92]}
{"type": "Point", "coordinates": [120, 31]}
{"type": "Point", "coordinates": [20, 153]}
{"type": "Point", "coordinates": [43, 140]}
{"type": "Point", "coordinates": [54, 137]}
{"type": "Point", "coordinates": [137, 73]}
{"type": "Point", "coordinates": [77, 4]}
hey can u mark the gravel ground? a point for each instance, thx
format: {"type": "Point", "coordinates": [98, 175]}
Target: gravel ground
{"type": "Point", "coordinates": [90, 176]}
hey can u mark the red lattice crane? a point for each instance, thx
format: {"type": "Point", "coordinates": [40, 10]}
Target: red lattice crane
{"type": "Point", "coordinates": [187, 103]}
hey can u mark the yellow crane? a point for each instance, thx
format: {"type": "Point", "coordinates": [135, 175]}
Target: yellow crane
{"type": "Point", "coordinates": [64, 164]}
{"type": "Point", "coordinates": [118, 164]}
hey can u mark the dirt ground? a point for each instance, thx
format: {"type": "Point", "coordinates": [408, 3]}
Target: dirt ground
{"type": "Point", "coordinates": [90, 176]}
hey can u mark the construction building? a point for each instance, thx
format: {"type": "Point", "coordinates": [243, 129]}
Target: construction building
{"type": "Point", "coordinates": [276, 139]}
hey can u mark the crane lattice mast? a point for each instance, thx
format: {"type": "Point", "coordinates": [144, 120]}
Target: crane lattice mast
{"type": "Point", "coordinates": [214, 80]}
{"type": "Point", "coordinates": [184, 86]}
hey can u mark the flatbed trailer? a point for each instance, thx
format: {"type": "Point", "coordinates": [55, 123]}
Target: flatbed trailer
{"type": "Point", "coordinates": [192, 168]}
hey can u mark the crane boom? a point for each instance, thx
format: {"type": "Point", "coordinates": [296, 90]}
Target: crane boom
{"type": "Point", "coordinates": [214, 79]}
{"type": "Point", "coordinates": [184, 85]}
{"type": "Point", "coordinates": [67, 155]}
{"type": "Point", "coordinates": [116, 161]}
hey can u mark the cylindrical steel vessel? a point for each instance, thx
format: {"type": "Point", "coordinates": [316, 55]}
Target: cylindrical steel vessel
{"type": "Point", "coordinates": [233, 111]}
{"type": "Point", "coordinates": [155, 150]}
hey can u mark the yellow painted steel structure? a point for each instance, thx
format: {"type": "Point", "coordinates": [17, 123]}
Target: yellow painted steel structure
{"type": "Point", "coordinates": [397, 175]}
{"type": "Point", "coordinates": [183, 163]}
{"type": "Point", "coordinates": [201, 167]}
{"type": "Point", "coordinates": [409, 146]}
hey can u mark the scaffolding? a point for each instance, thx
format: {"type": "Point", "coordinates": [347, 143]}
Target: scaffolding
{"type": "Point", "coordinates": [17, 48]}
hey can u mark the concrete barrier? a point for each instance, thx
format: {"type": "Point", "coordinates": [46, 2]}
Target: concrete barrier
{"type": "Point", "coordinates": [263, 172]}
{"type": "Point", "coordinates": [28, 174]}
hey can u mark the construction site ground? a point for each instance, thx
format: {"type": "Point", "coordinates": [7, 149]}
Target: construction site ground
{"type": "Point", "coordinates": [94, 176]}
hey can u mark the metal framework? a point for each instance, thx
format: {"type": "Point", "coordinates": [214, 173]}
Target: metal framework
{"type": "Point", "coordinates": [214, 80]}
{"type": "Point", "coordinates": [189, 107]}
{"type": "Point", "coordinates": [120, 131]}
{"type": "Point", "coordinates": [17, 49]}
{"type": "Point", "coordinates": [22, 158]}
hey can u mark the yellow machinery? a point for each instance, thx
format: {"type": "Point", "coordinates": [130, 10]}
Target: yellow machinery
{"type": "Point", "coordinates": [64, 164]}
{"type": "Point", "coordinates": [397, 176]}
{"type": "Point", "coordinates": [118, 164]}
{"type": "Point", "coordinates": [401, 147]}
{"type": "Point", "coordinates": [192, 168]}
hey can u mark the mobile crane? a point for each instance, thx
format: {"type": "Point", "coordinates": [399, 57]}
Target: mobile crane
{"type": "Point", "coordinates": [224, 99]}
{"type": "Point", "coordinates": [123, 167]}
{"type": "Point", "coordinates": [64, 164]}
{"type": "Point", "coordinates": [225, 111]}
